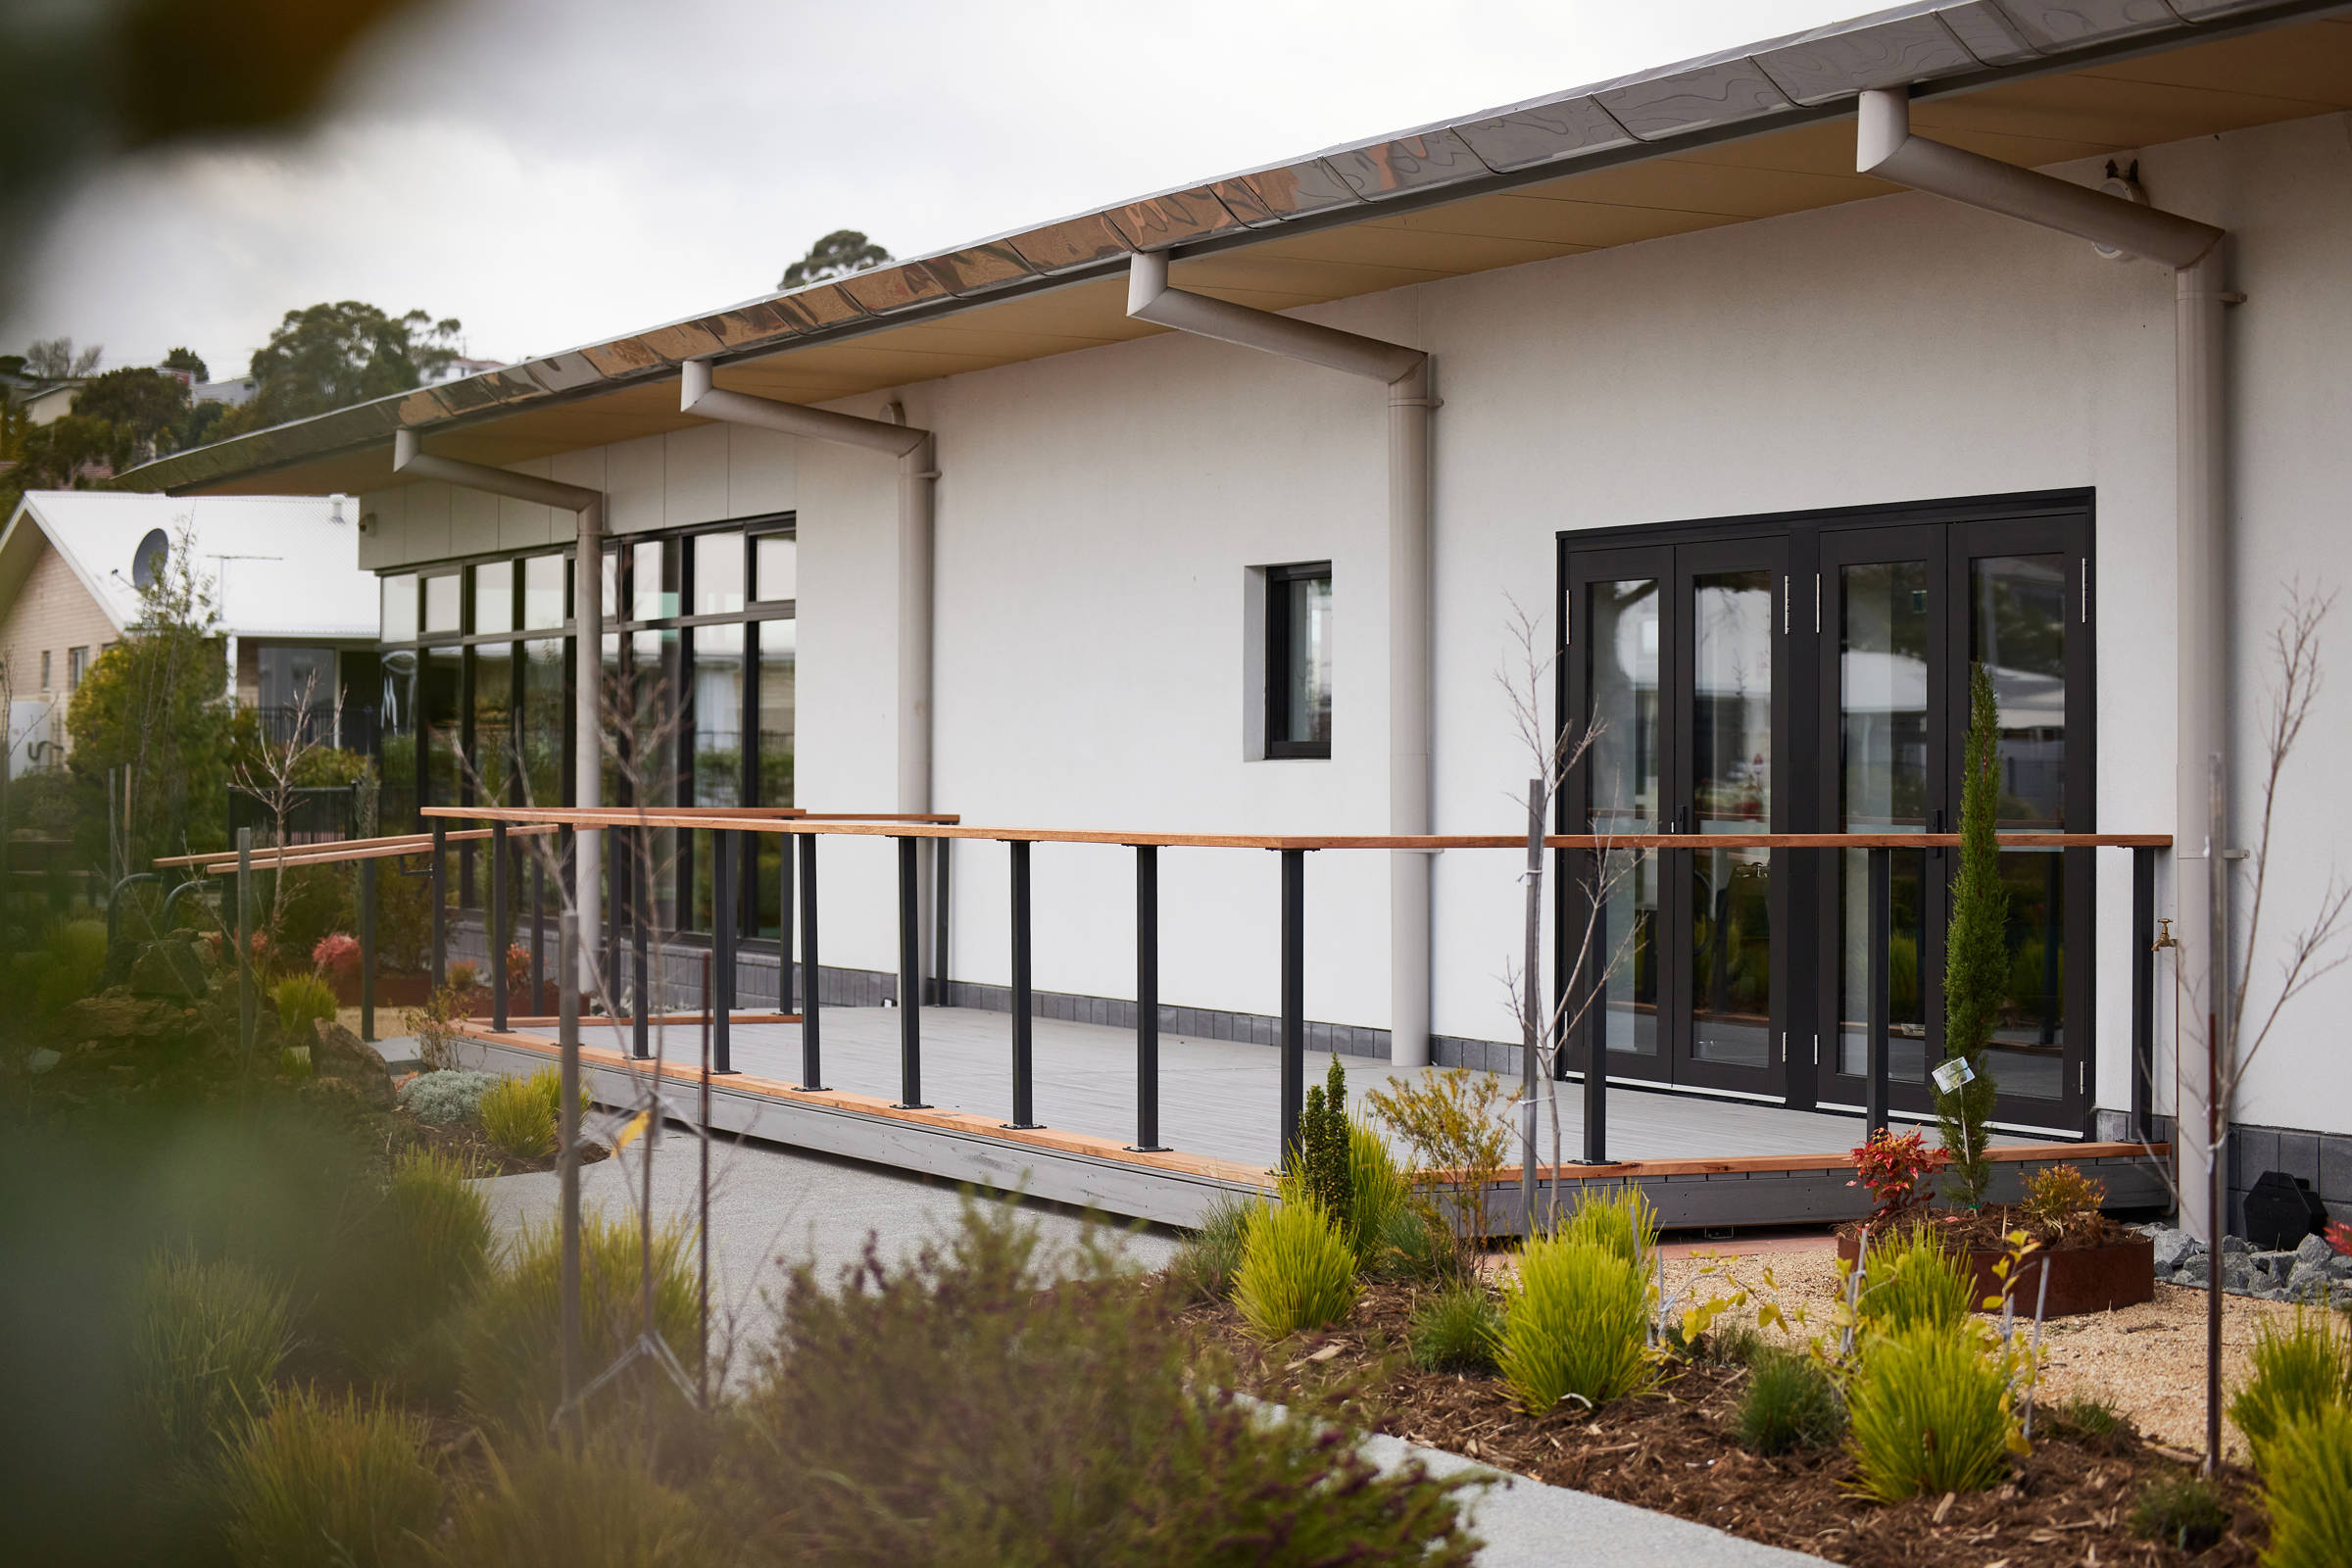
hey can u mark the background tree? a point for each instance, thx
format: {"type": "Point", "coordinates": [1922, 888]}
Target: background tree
{"type": "Point", "coordinates": [333, 355]}
{"type": "Point", "coordinates": [187, 360]}
{"type": "Point", "coordinates": [1975, 962]}
{"type": "Point", "coordinates": [145, 407]}
{"type": "Point", "coordinates": [155, 700]}
{"type": "Point", "coordinates": [54, 358]}
{"type": "Point", "coordinates": [845, 250]}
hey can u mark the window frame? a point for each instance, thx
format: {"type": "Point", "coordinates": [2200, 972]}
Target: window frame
{"type": "Point", "coordinates": [1279, 747]}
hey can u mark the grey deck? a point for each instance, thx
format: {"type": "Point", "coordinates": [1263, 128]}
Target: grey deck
{"type": "Point", "coordinates": [1216, 1097]}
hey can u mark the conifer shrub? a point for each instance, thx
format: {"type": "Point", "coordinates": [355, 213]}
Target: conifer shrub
{"type": "Point", "coordinates": [549, 1505]}
{"type": "Point", "coordinates": [1912, 1280]}
{"type": "Point", "coordinates": [2298, 1371]}
{"type": "Point", "coordinates": [1297, 1271]}
{"type": "Point", "coordinates": [1057, 1421]}
{"type": "Point", "coordinates": [1456, 1329]}
{"type": "Point", "coordinates": [1575, 1325]}
{"type": "Point", "coordinates": [2306, 1486]}
{"type": "Point", "coordinates": [1324, 1158]}
{"type": "Point", "coordinates": [1207, 1261]}
{"type": "Point", "coordinates": [1928, 1413]}
{"type": "Point", "coordinates": [207, 1337]}
{"type": "Point", "coordinates": [1791, 1403]}
{"type": "Point", "coordinates": [2182, 1509]}
{"type": "Point", "coordinates": [317, 1478]}
{"type": "Point", "coordinates": [1976, 965]}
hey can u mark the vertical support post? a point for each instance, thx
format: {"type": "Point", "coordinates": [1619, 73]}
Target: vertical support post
{"type": "Point", "coordinates": [910, 976]}
{"type": "Point", "coordinates": [787, 962]}
{"type": "Point", "coordinates": [1294, 999]}
{"type": "Point", "coordinates": [940, 849]}
{"type": "Point", "coordinates": [1534, 1027]}
{"type": "Point", "coordinates": [440, 897]}
{"type": "Point", "coordinates": [723, 860]}
{"type": "Point", "coordinates": [1024, 1006]}
{"type": "Point", "coordinates": [500, 937]}
{"type": "Point", "coordinates": [2143, 993]}
{"type": "Point", "coordinates": [1881, 901]}
{"type": "Point", "coordinates": [641, 883]}
{"type": "Point", "coordinates": [538, 921]}
{"type": "Point", "coordinates": [368, 950]}
{"type": "Point", "coordinates": [245, 999]}
{"type": "Point", "coordinates": [713, 1009]}
{"type": "Point", "coordinates": [616, 871]}
{"type": "Point", "coordinates": [811, 1077]}
{"type": "Point", "coordinates": [1147, 1000]}
{"type": "Point", "coordinates": [568, 1151]}
{"type": "Point", "coordinates": [1597, 1028]}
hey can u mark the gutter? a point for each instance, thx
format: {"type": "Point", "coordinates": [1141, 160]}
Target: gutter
{"type": "Point", "coordinates": [588, 640]}
{"type": "Point", "coordinates": [2197, 254]}
{"type": "Point", "coordinates": [1405, 371]}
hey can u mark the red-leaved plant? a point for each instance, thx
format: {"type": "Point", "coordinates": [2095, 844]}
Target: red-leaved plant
{"type": "Point", "coordinates": [519, 968]}
{"type": "Point", "coordinates": [1895, 1171]}
{"type": "Point", "coordinates": [337, 954]}
{"type": "Point", "coordinates": [2340, 1237]}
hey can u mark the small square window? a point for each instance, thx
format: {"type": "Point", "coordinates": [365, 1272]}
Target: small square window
{"type": "Point", "coordinates": [442, 605]}
{"type": "Point", "coordinates": [543, 592]}
{"type": "Point", "coordinates": [1299, 659]}
{"type": "Point", "coordinates": [400, 607]}
{"type": "Point", "coordinates": [654, 579]}
{"type": "Point", "coordinates": [775, 568]}
{"type": "Point", "coordinates": [494, 596]}
{"type": "Point", "coordinates": [717, 573]}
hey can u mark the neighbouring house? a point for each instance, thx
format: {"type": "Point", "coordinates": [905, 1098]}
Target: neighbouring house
{"type": "Point", "coordinates": [297, 612]}
{"type": "Point", "coordinates": [1781, 386]}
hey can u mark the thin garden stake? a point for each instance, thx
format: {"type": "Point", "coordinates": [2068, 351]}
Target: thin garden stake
{"type": "Point", "coordinates": [567, 1040]}
{"type": "Point", "coordinates": [703, 1281]}
{"type": "Point", "coordinates": [2041, 1301]}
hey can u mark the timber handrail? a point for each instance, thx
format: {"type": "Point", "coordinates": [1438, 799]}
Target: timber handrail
{"type": "Point", "coordinates": [327, 852]}
{"type": "Point", "coordinates": [922, 827]}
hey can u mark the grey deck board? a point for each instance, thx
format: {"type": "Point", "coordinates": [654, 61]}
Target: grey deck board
{"type": "Point", "coordinates": [1216, 1097]}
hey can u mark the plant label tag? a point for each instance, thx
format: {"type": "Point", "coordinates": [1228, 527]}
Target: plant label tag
{"type": "Point", "coordinates": [1952, 1075]}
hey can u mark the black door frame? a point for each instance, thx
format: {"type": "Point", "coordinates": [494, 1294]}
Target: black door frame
{"type": "Point", "coordinates": [2057, 521]}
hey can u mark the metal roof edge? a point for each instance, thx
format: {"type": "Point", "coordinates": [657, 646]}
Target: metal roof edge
{"type": "Point", "coordinates": [1934, 46]}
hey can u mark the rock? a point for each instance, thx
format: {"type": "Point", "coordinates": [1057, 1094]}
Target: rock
{"type": "Point", "coordinates": [41, 1061]}
{"type": "Point", "coordinates": [2172, 1246]}
{"type": "Point", "coordinates": [2192, 1270]}
{"type": "Point", "coordinates": [2237, 1274]}
{"type": "Point", "coordinates": [167, 968]}
{"type": "Point", "coordinates": [2237, 1246]}
{"type": "Point", "coordinates": [338, 1053]}
{"type": "Point", "coordinates": [2278, 1266]}
{"type": "Point", "coordinates": [2340, 1266]}
{"type": "Point", "coordinates": [2308, 1283]}
{"type": "Point", "coordinates": [2314, 1249]}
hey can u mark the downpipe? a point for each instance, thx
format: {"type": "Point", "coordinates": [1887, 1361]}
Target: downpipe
{"type": "Point", "coordinates": [1885, 147]}
{"type": "Point", "coordinates": [1405, 371]}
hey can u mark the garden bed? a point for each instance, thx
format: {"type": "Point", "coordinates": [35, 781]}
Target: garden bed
{"type": "Point", "coordinates": [1673, 1450]}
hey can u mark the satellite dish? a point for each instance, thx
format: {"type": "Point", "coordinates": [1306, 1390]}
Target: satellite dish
{"type": "Point", "coordinates": [147, 562]}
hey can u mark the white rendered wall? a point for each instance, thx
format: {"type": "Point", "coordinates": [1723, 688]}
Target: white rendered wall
{"type": "Point", "coordinates": [1099, 510]}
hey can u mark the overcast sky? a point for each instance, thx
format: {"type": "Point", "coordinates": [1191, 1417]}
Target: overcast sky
{"type": "Point", "coordinates": [555, 171]}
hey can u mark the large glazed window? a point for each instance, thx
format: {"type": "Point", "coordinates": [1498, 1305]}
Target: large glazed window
{"type": "Point", "coordinates": [1731, 760]}
{"type": "Point", "coordinates": [1623, 780]}
{"type": "Point", "coordinates": [1299, 660]}
{"type": "Point", "coordinates": [1883, 675]}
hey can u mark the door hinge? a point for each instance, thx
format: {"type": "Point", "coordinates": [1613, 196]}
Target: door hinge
{"type": "Point", "coordinates": [1784, 1048]}
{"type": "Point", "coordinates": [2082, 1077]}
{"type": "Point", "coordinates": [1817, 1051]}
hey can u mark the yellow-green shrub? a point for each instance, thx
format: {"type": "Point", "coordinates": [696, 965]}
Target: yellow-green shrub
{"type": "Point", "coordinates": [2298, 1371]}
{"type": "Point", "coordinates": [1619, 1219]}
{"type": "Point", "coordinates": [302, 1000]}
{"type": "Point", "coordinates": [546, 1506]}
{"type": "Point", "coordinates": [2307, 1485]}
{"type": "Point", "coordinates": [1912, 1280]}
{"type": "Point", "coordinates": [319, 1480]}
{"type": "Point", "coordinates": [1297, 1271]}
{"type": "Point", "coordinates": [1575, 1324]}
{"type": "Point", "coordinates": [206, 1340]}
{"type": "Point", "coordinates": [1379, 1193]}
{"type": "Point", "coordinates": [519, 1118]}
{"type": "Point", "coordinates": [1928, 1413]}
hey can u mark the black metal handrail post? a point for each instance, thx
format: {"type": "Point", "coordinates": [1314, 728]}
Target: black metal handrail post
{"type": "Point", "coordinates": [368, 950]}
{"type": "Point", "coordinates": [910, 976]}
{"type": "Point", "coordinates": [2143, 995]}
{"type": "Point", "coordinates": [615, 886]}
{"type": "Point", "coordinates": [641, 885]}
{"type": "Point", "coordinates": [787, 960]}
{"type": "Point", "coordinates": [1024, 1001]}
{"type": "Point", "coordinates": [1147, 1001]}
{"type": "Point", "coordinates": [940, 905]}
{"type": "Point", "coordinates": [1881, 903]}
{"type": "Point", "coordinates": [811, 1076]}
{"type": "Point", "coordinates": [496, 924]}
{"type": "Point", "coordinates": [245, 976]}
{"type": "Point", "coordinates": [440, 897]}
{"type": "Point", "coordinates": [538, 919]}
{"type": "Point", "coordinates": [1294, 999]}
{"type": "Point", "coordinates": [1596, 1026]}
{"type": "Point", "coordinates": [723, 851]}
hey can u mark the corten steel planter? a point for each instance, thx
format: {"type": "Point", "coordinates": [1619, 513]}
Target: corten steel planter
{"type": "Point", "coordinates": [2083, 1278]}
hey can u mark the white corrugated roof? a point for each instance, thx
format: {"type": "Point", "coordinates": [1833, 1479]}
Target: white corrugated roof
{"type": "Point", "coordinates": [280, 566]}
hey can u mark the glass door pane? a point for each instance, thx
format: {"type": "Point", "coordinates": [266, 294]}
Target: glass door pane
{"type": "Point", "coordinates": [1624, 778]}
{"type": "Point", "coordinates": [2018, 616]}
{"type": "Point", "coordinates": [1731, 782]}
{"type": "Point", "coordinates": [1882, 686]}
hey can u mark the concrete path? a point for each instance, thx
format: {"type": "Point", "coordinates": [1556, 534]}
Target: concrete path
{"type": "Point", "coordinates": [772, 1205]}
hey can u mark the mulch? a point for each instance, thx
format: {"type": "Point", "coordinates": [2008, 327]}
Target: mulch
{"type": "Point", "coordinates": [466, 1140]}
{"type": "Point", "coordinates": [1672, 1451]}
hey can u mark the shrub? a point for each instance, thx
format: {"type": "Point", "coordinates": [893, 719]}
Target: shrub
{"type": "Point", "coordinates": [327, 1479]}
{"type": "Point", "coordinates": [206, 1340]}
{"type": "Point", "coordinates": [1207, 1261]}
{"type": "Point", "coordinates": [518, 972]}
{"type": "Point", "coordinates": [1416, 1245]}
{"type": "Point", "coordinates": [545, 1506]}
{"type": "Point", "coordinates": [1791, 1403]}
{"type": "Point", "coordinates": [508, 1368]}
{"type": "Point", "coordinates": [71, 963]}
{"type": "Point", "coordinates": [315, 900]}
{"type": "Point", "coordinates": [441, 1098]}
{"type": "Point", "coordinates": [337, 954]}
{"type": "Point", "coordinates": [1297, 1272]}
{"type": "Point", "coordinates": [302, 998]}
{"type": "Point", "coordinates": [2092, 1422]}
{"type": "Point", "coordinates": [1617, 1218]}
{"type": "Point", "coordinates": [1575, 1325]}
{"type": "Point", "coordinates": [1322, 1159]}
{"type": "Point", "coordinates": [1060, 1421]}
{"type": "Point", "coordinates": [1928, 1413]}
{"type": "Point", "coordinates": [2061, 1193]}
{"type": "Point", "coordinates": [439, 1250]}
{"type": "Point", "coordinates": [520, 1116]}
{"type": "Point", "coordinates": [434, 1023]}
{"type": "Point", "coordinates": [1451, 1120]}
{"type": "Point", "coordinates": [2298, 1371]}
{"type": "Point", "coordinates": [1895, 1170]}
{"type": "Point", "coordinates": [1456, 1330]}
{"type": "Point", "coordinates": [1912, 1280]}
{"type": "Point", "coordinates": [2182, 1509]}
{"type": "Point", "coordinates": [1976, 946]}
{"type": "Point", "coordinates": [1378, 1194]}
{"type": "Point", "coordinates": [2306, 1486]}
